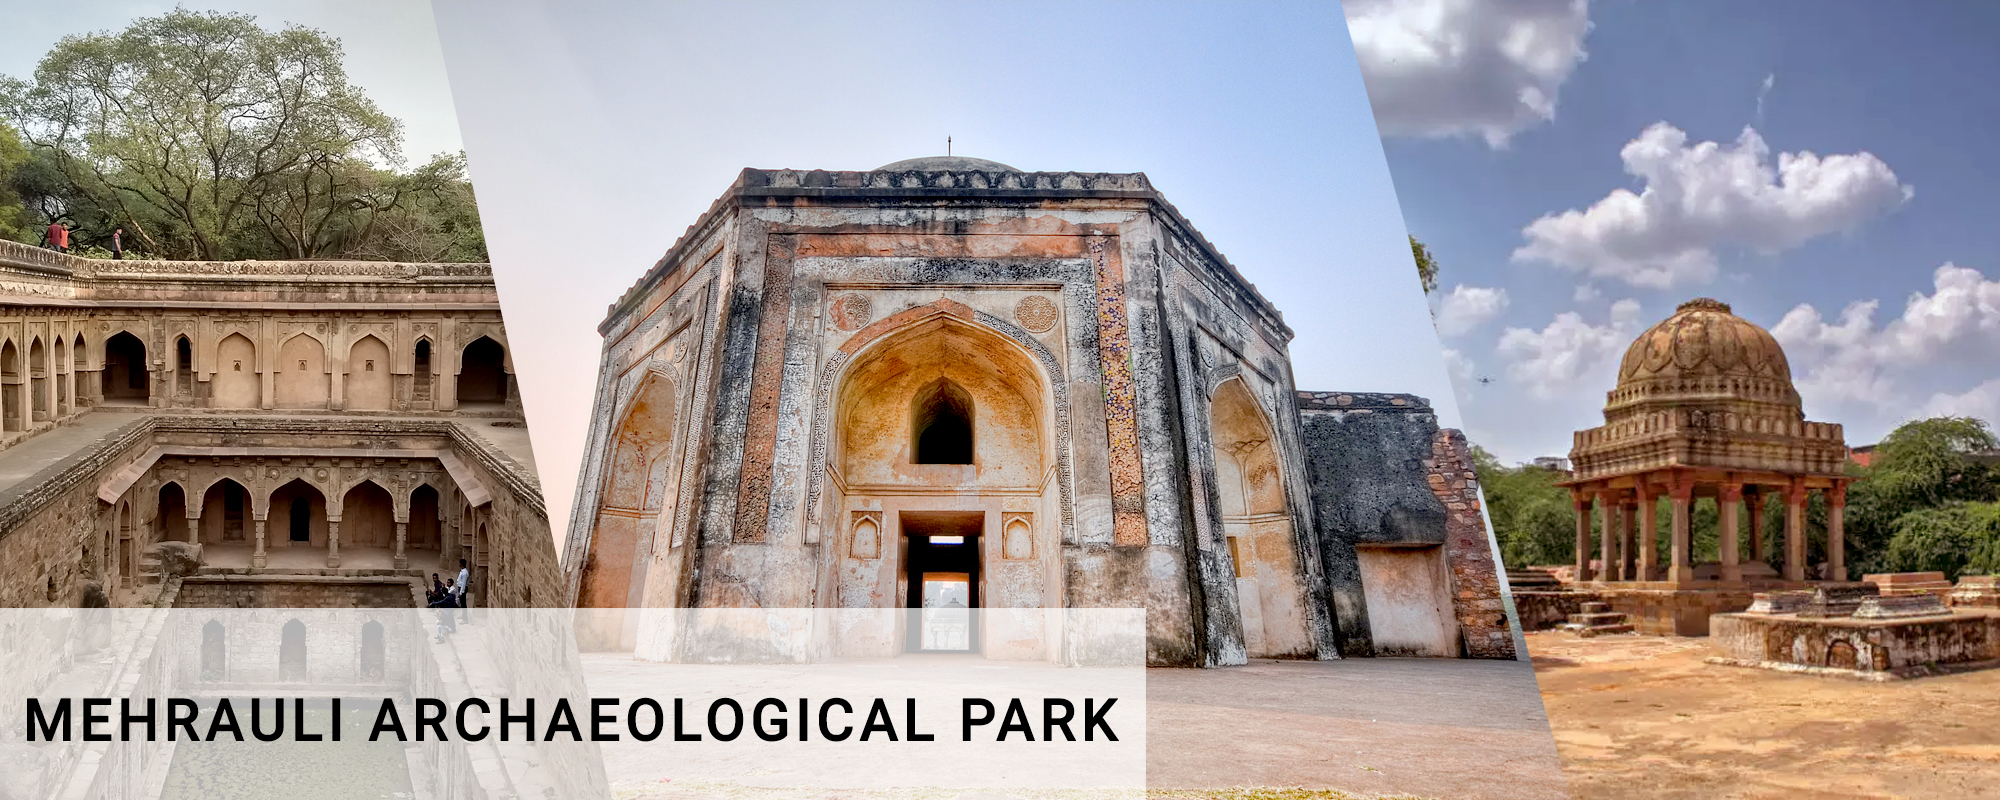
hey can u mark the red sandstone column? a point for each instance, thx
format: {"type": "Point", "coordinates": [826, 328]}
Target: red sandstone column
{"type": "Point", "coordinates": [1607, 537]}
{"type": "Point", "coordinates": [1627, 570]}
{"type": "Point", "coordinates": [1836, 533]}
{"type": "Point", "coordinates": [257, 558]}
{"type": "Point", "coordinates": [1728, 506]}
{"type": "Point", "coordinates": [1795, 531]}
{"type": "Point", "coordinates": [1681, 494]}
{"type": "Point", "coordinates": [1649, 532]}
{"type": "Point", "coordinates": [332, 543]}
{"type": "Point", "coordinates": [1582, 536]}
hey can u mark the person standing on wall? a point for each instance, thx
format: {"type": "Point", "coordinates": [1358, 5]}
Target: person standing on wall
{"type": "Point", "coordinates": [118, 242]}
{"type": "Point", "coordinates": [463, 592]}
{"type": "Point", "coordinates": [58, 237]}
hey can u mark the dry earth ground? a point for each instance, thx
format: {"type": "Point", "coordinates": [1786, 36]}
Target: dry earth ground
{"type": "Point", "coordinates": [1646, 717]}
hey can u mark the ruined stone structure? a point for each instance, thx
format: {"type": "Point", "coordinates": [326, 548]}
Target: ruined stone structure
{"type": "Point", "coordinates": [1704, 407]}
{"type": "Point", "coordinates": [290, 418]}
{"type": "Point", "coordinates": [948, 381]}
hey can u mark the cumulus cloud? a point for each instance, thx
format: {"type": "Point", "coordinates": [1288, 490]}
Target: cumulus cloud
{"type": "Point", "coordinates": [1468, 307]}
{"type": "Point", "coordinates": [1586, 293]}
{"type": "Point", "coordinates": [1853, 359]}
{"type": "Point", "coordinates": [1460, 368]}
{"type": "Point", "coordinates": [1702, 197]}
{"type": "Point", "coordinates": [1982, 401]}
{"type": "Point", "coordinates": [1438, 68]}
{"type": "Point", "coordinates": [1570, 354]}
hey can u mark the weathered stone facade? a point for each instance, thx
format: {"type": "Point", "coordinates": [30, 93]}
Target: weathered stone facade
{"type": "Point", "coordinates": [833, 376]}
{"type": "Point", "coordinates": [287, 417]}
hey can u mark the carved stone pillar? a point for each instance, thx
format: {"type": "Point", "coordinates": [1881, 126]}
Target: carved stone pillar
{"type": "Point", "coordinates": [1681, 496]}
{"type": "Point", "coordinates": [1795, 531]}
{"type": "Point", "coordinates": [402, 533]}
{"type": "Point", "coordinates": [1836, 532]}
{"type": "Point", "coordinates": [1649, 532]}
{"type": "Point", "coordinates": [332, 543]}
{"type": "Point", "coordinates": [194, 523]}
{"type": "Point", "coordinates": [1607, 537]}
{"type": "Point", "coordinates": [1582, 504]}
{"type": "Point", "coordinates": [1728, 505]}
{"type": "Point", "coordinates": [1628, 568]}
{"type": "Point", "coordinates": [257, 558]}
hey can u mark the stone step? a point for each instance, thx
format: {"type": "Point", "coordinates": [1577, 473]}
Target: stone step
{"type": "Point", "coordinates": [1596, 608]}
{"type": "Point", "coordinates": [1605, 618]}
{"type": "Point", "coordinates": [1600, 630]}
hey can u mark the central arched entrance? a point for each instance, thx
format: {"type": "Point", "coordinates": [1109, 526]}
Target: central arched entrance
{"type": "Point", "coordinates": [126, 380]}
{"type": "Point", "coordinates": [1258, 525]}
{"type": "Point", "coordinates": [947, 496]}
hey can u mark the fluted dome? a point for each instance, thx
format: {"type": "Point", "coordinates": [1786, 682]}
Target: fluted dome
{"type": "Point", "coordinates": [946, 164]}
{"type": "Point", "coordinates": [1704, 352]}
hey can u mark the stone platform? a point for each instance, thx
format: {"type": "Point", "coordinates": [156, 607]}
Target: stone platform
{"type": "Point", "coordinates": [1883, 637]}
{"type": "Point", "coordinates": [1663, 608]}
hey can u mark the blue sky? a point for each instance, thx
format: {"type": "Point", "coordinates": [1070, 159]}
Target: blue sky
{"type": "Point", "coordinates": [391, 46]}
{"type": "Point", "coordinates": [1895, 109]}
{"type": "Point", "coordinates": [597, 132]}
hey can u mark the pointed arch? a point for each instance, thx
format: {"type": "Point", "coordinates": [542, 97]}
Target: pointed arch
{"type": "Point", "coordinates": [425, 523]}
{"type": "Point", "coordinates": [300, 378]}
{"type": "Point", "coordinates": [482, 372]}
{"type": "Point", "coordinates": [39, 395]}
{"type": "Point", "coordinates": [13, 417]}
{"type": "Point", "coordinates": [236, 383]}
{"type": "Point", "coordinates": [126, 377]}
{"type": "Point", "coordinates": [63, 376]}
{"type": "Point", "coordinates": [170, 513]}
{"type": "Point", "coordinates": [183, 366]}
{"type": "Point", "coordinates": [630, 504]}
{"type": "Point", "coordinates": [1257, 524]}
{"type": "Point", "coordinates": [368, 516]}
{"type": "Point", "coordinates": [423, 377]}
{"type": "Point", "coordinates": [298, 513]}
{"type": "Point", "coordinates": [227, 516]}
{"type": "Point", "coordinates": [368, 381]}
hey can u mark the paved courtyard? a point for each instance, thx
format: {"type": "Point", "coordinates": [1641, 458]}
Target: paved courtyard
{"type": "Point", "coordinates": [1646, 717]}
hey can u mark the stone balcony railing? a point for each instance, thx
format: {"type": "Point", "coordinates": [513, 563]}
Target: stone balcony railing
{"type": "Point", "coordinates": [22, 258]}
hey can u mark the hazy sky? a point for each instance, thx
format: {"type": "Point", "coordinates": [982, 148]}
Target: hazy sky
{"type": "Point", "coordinates": [391, 47]}
{"type": "Point", "coordinates": [598, 132]}
{"type": "Point", "coordinates": [1816, 164]}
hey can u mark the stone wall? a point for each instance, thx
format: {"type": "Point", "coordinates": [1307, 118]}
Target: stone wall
{"type": "Point", "coordinates": [1475, 577]}
{"type": "Point", "coordinates": [1540, 611]}
{"type": "Point", "coordinates": [296, 591]}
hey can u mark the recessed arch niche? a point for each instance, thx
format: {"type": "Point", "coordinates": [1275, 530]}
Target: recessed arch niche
{"type": "Point", "coordinates": [1250, 484]}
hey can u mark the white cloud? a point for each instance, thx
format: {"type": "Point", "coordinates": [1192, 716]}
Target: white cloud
{"type": "Point", "coordinates": [1586, 293]}
{"type": "Point", "coordinates": [1468, 307]}
{"type": "Point", "coordinates": [1701, 197]}
{"type": "Point", "coordinates": [1570, 354]}
{"type": "Point", "coordinates": [1437, 68]}
{"type": "Point", "coordinates": [1764, 91]}
{"type": "Point", "coordinates": [1851, 359]}
{"type": "Point", "coordinates": [1461, 369]}
{"type": "Point", "coordinates": [1982, 401]}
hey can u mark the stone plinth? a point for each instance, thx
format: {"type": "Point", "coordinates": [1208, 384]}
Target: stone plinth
{"type": "Point", "coordinates": [1900, 583]}
{"type": "Point", "coordinates": [1902, 606]}
{"type": "Point", "coordinates": [1868, 649]}
{"type": "Point", "coordinates": [1666, 609]}
{"type": "Point", "coordinates": [1839, 599]}
{"type": "Point", "coordinates": [1787, 601]}
{"type": "Point", "coordinates": [1976, 591]}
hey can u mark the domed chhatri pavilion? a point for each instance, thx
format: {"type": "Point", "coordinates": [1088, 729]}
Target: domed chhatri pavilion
{"type": "Point", "coordinates": [1704, 407]}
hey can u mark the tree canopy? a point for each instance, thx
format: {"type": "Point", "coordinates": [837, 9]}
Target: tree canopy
{"type": "Point", "coordinates": [1427, 268]}
{"type": "Point", "coordinates": [208, 137]}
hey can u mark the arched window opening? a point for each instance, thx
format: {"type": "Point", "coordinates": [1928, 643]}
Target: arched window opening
{"type": "Point", "coordinates": [420, 389]}
{"type": "Point", "coordinates": [183, 367]}
{"type": "Point", "coordinates": [172, 514]}
{"type": "Point", "coordinates": [10, 388]}
{"type": "Point", "coordinates": [292, 653]}
{"type": "Point", "coordinates": [941, 429]}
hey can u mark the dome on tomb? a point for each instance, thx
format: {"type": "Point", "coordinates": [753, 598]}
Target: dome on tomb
{"type": "Point", "coordinates": [946, 164]}
{"type": "Point", "coordinates": [1704, 353]}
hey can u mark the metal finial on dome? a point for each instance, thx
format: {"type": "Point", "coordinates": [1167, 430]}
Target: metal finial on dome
{"type": "Point", "coordinates": [1703, 304]}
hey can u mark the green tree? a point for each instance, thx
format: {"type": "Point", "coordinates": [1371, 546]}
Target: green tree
{"type": "Point", "coordinates": [1532, 517]}
{"type": "Point", "coordinates": [209, 137]}
{"type": "Point", "coordinates": [16, 222]}
{"type": "Point", "coordinates": [1427, 268]}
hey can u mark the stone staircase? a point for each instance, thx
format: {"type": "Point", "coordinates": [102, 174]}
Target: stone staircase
{"type": "Point", "coordinates": [1597, 619]}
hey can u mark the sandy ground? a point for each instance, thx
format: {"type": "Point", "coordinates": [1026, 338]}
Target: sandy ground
{"type": "Point", "coordinates": [1645, 717]}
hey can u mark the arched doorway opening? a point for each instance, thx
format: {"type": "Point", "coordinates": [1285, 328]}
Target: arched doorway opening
{"type": "Point", "coordinates": [368, 375]}
{"type": "Point", "coordinates": [12, 419]}
{"type": "Point", "coordinates": [38, 381]}
{"type": "Point", "coordinates": [482, 373]}
{"type": "Point", "coordinates": [292, 653]}
{"type": "Point", "coordinates": [943, 432]}
{"type": "Point", "coordinates": [423, 530]}
{"type": "Point", "coordinates": [1258, 526]}
{"type": "Point", "coordinates": [121, 542]}
{"type": "Point", "coordinates": [79, 363]}
{"type": "Point", "coordinates": [126, 378]}
{"type": "Point", "coordinates": [224, 509]}
{"type": "Point", "coordinates": [298, 514]}
{"type": "Point", "coordinates": [421, 383]}
{"type": "Point", "coordinates": [214, 652]}
{"type": "Point", "coordinates": [183, 367]}
{"type": "Point", "coordinates": [172, 508]}
{"type": "Point", "coordinates": [61, 375]}
{"type": "Point", "coordinates": [372, 651]}
{"type": "Point", "coordinates": [367, 517]}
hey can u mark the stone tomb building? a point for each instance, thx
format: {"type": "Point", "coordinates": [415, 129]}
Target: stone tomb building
{"type": "Point", "coordinates": [1704, 407]}
{"type": "Point", "coordinates": [950, 382]}
{"type": "Point", "coordinates": [287, 418]}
